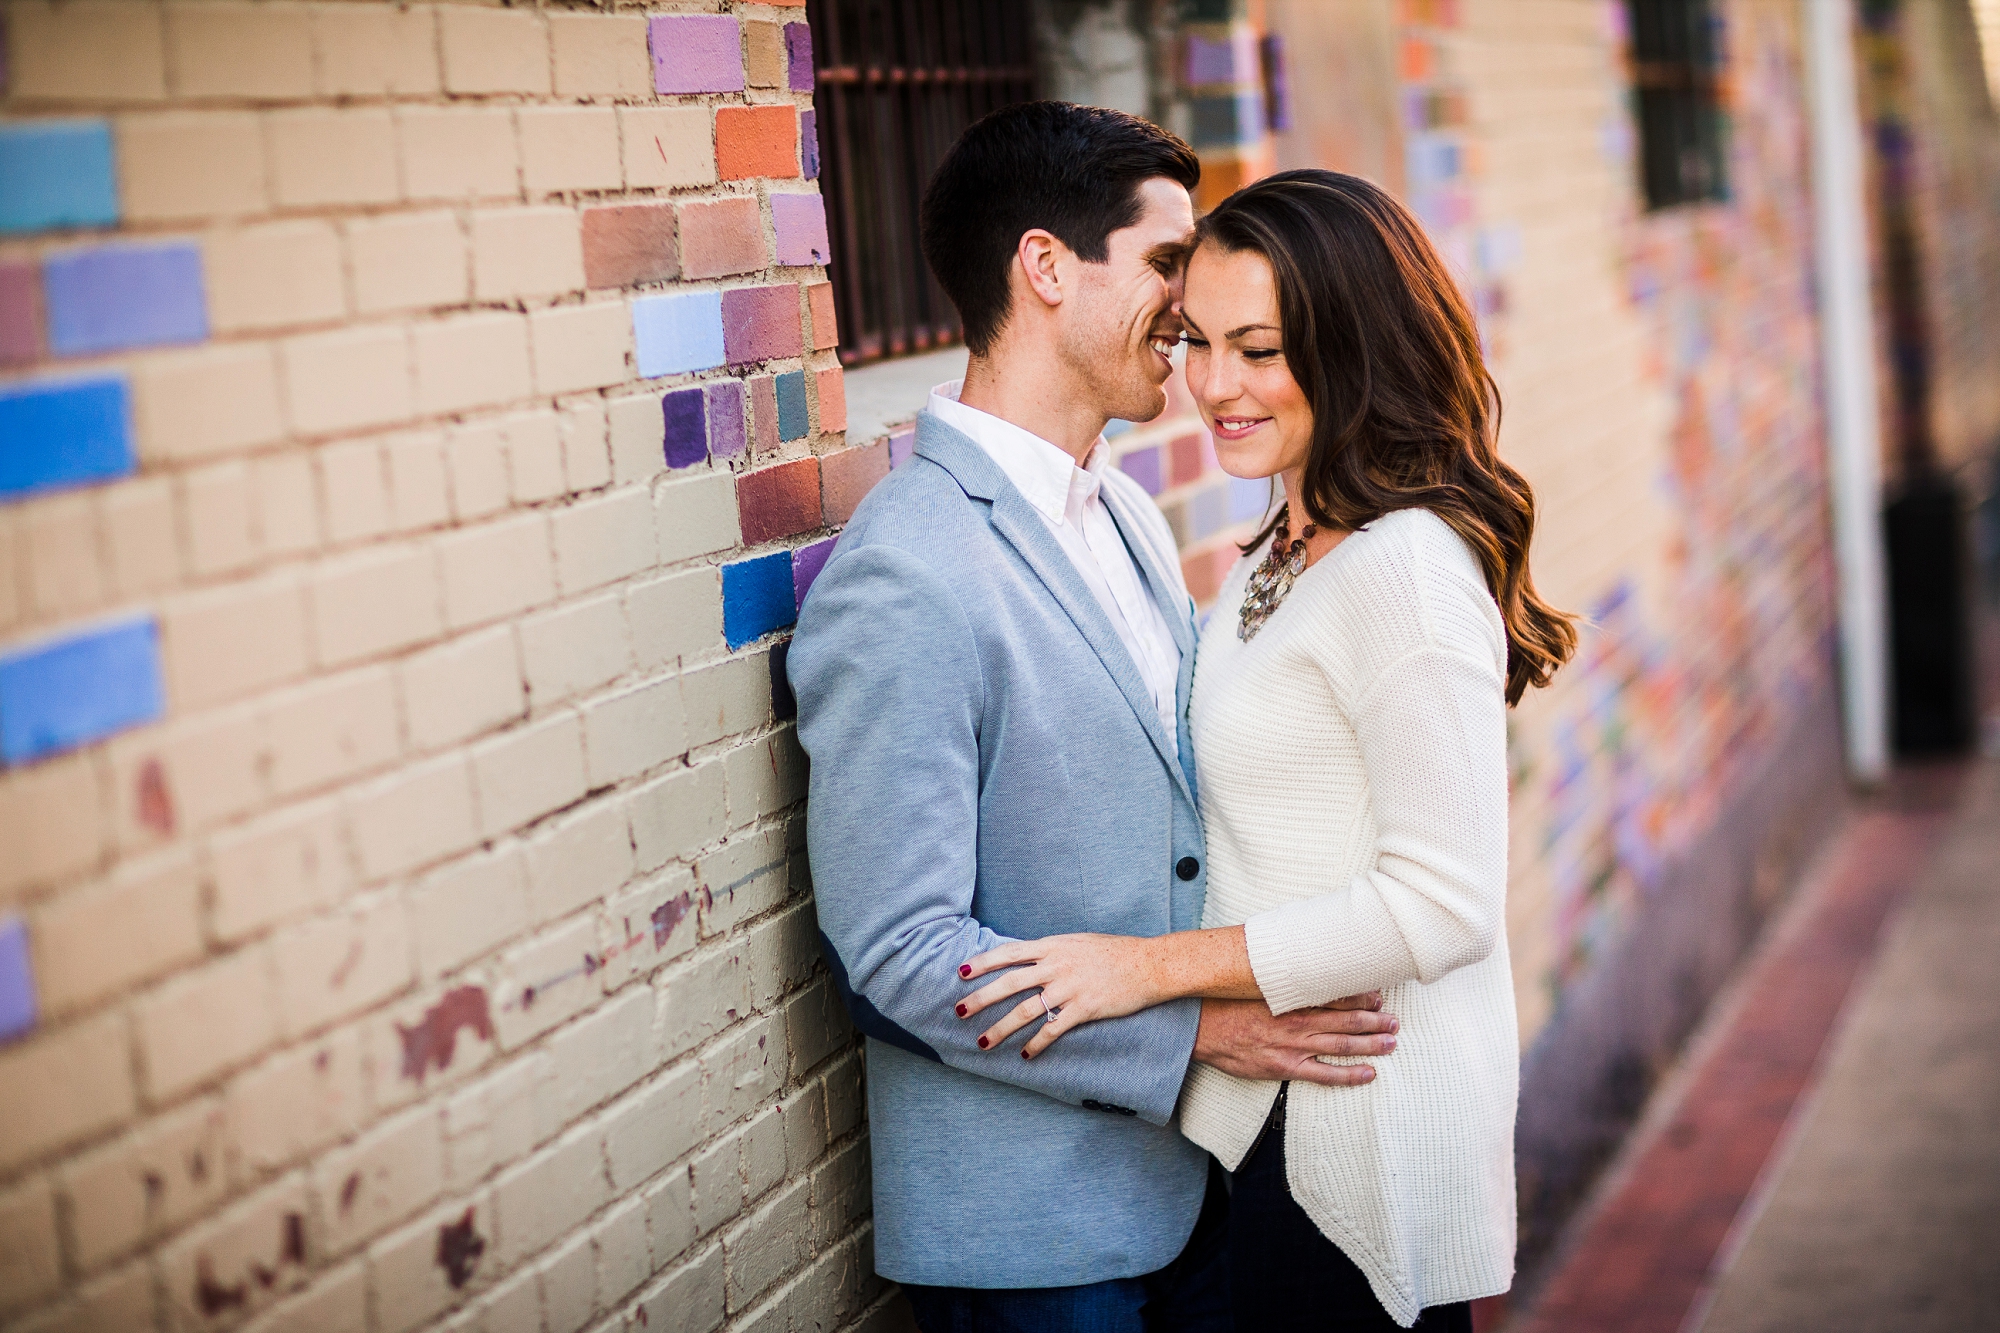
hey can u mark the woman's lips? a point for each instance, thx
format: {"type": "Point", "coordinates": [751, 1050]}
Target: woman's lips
{"type": "Point", "coordinates": [1235, 428]}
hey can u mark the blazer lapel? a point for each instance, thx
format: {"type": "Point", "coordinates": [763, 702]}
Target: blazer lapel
{"type": "Point", "coordinates": [1175, 608]}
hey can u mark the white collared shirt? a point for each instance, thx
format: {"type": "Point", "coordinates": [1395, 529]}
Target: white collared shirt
{"type": "Point", "coordinates": [1067, 497]}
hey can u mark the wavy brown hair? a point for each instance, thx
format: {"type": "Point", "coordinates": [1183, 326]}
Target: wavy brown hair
{"type": "Point", "coordinates": [1405, 415]}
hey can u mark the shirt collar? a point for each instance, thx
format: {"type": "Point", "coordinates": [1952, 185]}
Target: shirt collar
{"type": "Point", "coordinates": [1047, 477]}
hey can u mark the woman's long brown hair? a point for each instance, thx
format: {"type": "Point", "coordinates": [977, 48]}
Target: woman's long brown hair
{"type": "Point", "coordinates": [1405, 415]}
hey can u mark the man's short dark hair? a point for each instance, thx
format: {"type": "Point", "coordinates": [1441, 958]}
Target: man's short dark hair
{"type": "Point", "coordinates": [1074, 171]}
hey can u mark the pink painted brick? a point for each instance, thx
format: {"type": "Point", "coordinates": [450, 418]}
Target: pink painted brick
{"type": "Point", "coordinates": [761, 323]}
{"type": "Point", "coordinates": [832, 388]}
{"type": "Point", "coordinates": [825, 330]}
{"type": "Point", "coordinates": [721, 237]}
{"type": "Point", "coordinates": [20, 315]}
{"type": "Point", "coordinates": [800, 221]}
{"type": "Point", "coordinates": [848, 476]}
{"type": "Point", "coordinates": [696, 53]}
{"type": "Point", "coordinates": [778, 501]}
{"type": "Point", "coordinates": [625, 244]}
{"type": "Point", "coordinates": [764, 414]}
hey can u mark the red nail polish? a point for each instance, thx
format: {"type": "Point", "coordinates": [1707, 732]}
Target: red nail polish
{"type": "Point", "coordinates": [965, 969]}
{"type": "Point", "coordinates": [982, 1043]}
{"type": "Point", "coordinates": [1026, 1056]}
{"type": "Point", "coordinates": [961, 1011]}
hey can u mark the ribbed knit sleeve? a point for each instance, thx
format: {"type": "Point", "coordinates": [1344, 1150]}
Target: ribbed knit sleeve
{"type": "Point", "coordinates": [1410, 643]}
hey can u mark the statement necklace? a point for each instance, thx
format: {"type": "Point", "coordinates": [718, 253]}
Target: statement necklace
{"type": "Point", "coordinates": [1273, 578]}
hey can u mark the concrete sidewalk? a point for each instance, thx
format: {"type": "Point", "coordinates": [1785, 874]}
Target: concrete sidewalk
{"type": "Point", "coordinates": [1884, 1215]}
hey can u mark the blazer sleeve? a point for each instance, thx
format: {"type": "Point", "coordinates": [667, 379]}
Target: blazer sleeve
{"type": "Point", "coordinates": [890, 697]}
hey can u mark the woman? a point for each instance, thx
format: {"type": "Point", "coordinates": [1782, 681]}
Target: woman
{"type": "Point", "coordinates": [1349, 718]}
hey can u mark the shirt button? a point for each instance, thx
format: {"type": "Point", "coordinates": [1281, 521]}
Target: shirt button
{"type": "Point", "coordinates": [1187, 867]}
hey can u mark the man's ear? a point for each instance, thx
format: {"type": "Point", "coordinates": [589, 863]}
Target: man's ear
{"type": "Point", "coordinates": [1036, 257]}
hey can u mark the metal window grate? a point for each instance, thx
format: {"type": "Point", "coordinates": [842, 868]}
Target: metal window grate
{"type": "Point", "coordinates": [897, 81]}
{"type": "Point", "coordinates": [1683, 128]}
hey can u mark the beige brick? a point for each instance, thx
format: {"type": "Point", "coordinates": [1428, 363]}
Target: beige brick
{"type": "Point", "coordinates": [493, 50]}
{"type": "Point", "coordinates": [728, 699]}
{"type": "Point", "coordinates": [274, 276]}
{"type": "Point", "coordinates": [677, 618]}
{"type": "Point", "coordinates": [354, 485]}
{"type": "Point", "coordinates": [765, 777]}
{"type": "Point", "coordinates": [375, 50]}
{"type": "Point", "coordinates": [391, 1172]}
{"type": "Point", "coordinates": [375, 601]}
{"type": "Point", "coordinates": [804, 1114]}
{"type": "Point", "coordinates": [471, 361]}
{"type": "Point", "coordinates": [652, 1127]}
{"type": "Point", "coordinates": [600, 55]}
{"type": "Point", "coordinates": [141, 922]}
{"type": "Point", "coordinates": [743, 878]}
{"type": "Point", "coordinates": [696, 516]}
{"type": "Point", "coordinates": [332, 966]}
{"type": "Point", "coordinates": [770, 1245]}
{"type": "Point", "coordinates": [652, 924]}
{"type": "Point", "coordinates": [407, 1286]}
{"type": "Point", "coordinates": [688, 1299]}
{"type": "Point", "coordinates": [202, 1022]}
{"type": "Point", "coordinates": [603, 540]}
{"type": "Point", "coordinates": [667, 146]}
{"type": "Point", "coordinates": [234, 640]}
{"type": "Point", "coordinates": [297, 1102]}
{"type": "Point", "coordinates": [333, 158]}
{"type": "Point", "coordinates": [550, 1194]}
{"type": "Point", "coordinates": [209, 767]}
{"type": "Point", "coordinates": [407, 261]}
{"type": "Point", "coordinates": [235, 50]}
{"type": "Point", "coordinates": [497, 570]}
{"type": "Point", "coordinates": [280, 867]}
{"type": "Point", "coordinates": [546, 982]}
{"type": "Point", "coordinates": [12, 561]}
{"type": "Point", "coordinates": [637, 434]}
{"type": "Point", "coordinates": [513, 1306]}
{"type": "Point", "coordinates": [569, 148]}
{"type": "Point", "coordinates": [181, 166]}
{"type": "Point", "coordinates": [586, 460]}
{"type": "Point", "coordinates": [139, 530]}
{"type": "Point", "coordinates": [462, 689]}
{"type": "Point", "coordinates": [742, 1073]}
{"type": "Point", "coordinates": [574, 649]}
{"type": "Point", "coordinates": [816, 1022]}
{"type": "Point", "coordinates": [581, 346]}
{"type": "Point", "coordinates": [63, 1084]}
{"type": "Point", "coordinates": [286, 498]}
{"type": "Point", "coordinates": [621, 1245]}
{"type": "Point", "coordinates": [459, 153]}
{"type": "Point", "coordinates": [120, 1299]}
{"type": "Point", "coordinates": [578, 859]}
{"type": "Point", "coordinates": [95, 51]}
{"type": "Point", "coordinates": [332, 729]}
{"type": "Point", "coordinates": [476, 455]}
{"type": "Point", "coordinates": [527, 773]}
{"type": "Point", "coordinates": [533, 445]}
{"type": "Point", "coordinates": [764, 56]}
{"type": "Point", "coordinates": [635, 730]}
{"type": "Point", "coordinates": [467, 909]}
{"type": "Point", "coordinates": [347, 379]}
{"type": "Point", "coordinates": [669, 1203]}
{"type": "Point", "coordinates": [422, 813]}
{"type": "Point", "coordinates": [568, 1281]}
{"type": "Point", "coordinates": [526, 252]}
{"type": "Point", "coordinates": [30, 1263]}
{"type": "Point", "coordinates": [601, 1054]}
{"type": "Point", "coordinates": [498, 1119]}
{"type": "Point", "coordinates": [144, 1184]}
{"type": "Point", "coordinates": [256, 1246]}
{"type": "Point", "coordinates": [335, 1303]}
{"type": "Point", "coordinates": [215, 508]}
{"type": "Point", "coordinates": [419, 487]}
{"type": "Point", "coordinates": [208, 401]}
{"type": "Point", "coordinates": [699, 998]}
{"type": "Point", "coordinates": [675, 816]}
{"type": "Point", "coordinates": [66, 566]}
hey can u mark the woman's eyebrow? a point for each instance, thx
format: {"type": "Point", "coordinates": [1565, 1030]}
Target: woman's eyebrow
{"type": "Point", "coordinates": [1236, 333]}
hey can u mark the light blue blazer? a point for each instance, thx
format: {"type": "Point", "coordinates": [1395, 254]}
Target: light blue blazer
{"type": "Point", "coordinates": [987, 765]}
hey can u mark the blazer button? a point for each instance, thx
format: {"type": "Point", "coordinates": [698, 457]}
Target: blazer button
{"type": "Point", "coordinates": [1187, 867]}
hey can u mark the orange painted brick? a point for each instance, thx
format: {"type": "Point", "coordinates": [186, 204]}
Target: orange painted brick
{"type": "Point", "coordinates": [625, 244]}
{"type": "Point", "coordinates": [722, 236]}
{"type": "Point", "coordinates": [778, 501]}
{"type": "Point", "coordinates": [831, 387]}
{"type": "Point", "coordinates": [825, 328]}
{"type": "Point", "coordinates": [846, 477]}
{"type": "Point", "coordinates": [752, 141]}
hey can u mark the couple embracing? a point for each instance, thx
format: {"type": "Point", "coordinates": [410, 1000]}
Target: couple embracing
{"type": "Point", "coordinates": [1180, 951]}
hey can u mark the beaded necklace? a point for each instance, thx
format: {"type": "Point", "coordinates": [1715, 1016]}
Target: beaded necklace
{"type": "Point", "coordinates": [1273, 577]}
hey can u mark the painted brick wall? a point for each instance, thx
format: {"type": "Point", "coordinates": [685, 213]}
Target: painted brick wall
{"type": "Point", "coordinates": [416, 423]}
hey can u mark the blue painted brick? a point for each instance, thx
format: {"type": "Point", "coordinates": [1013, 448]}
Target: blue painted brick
{"type": "Point", "coordinates": [727, 436]}
{"type": "Point", "coordinates": [677, 333]}
{"type": "Point", "coordinates": [17, 980]}
{"type": "Point", "coordinates": [807, 562]}
{"type": "Point", "coordinates": [792, 422]}
{"type": "Point", "coordinates": [55, 696]}
{"type": "Point", "coordinates": [56, 173]}
{"type": "Point", "coordinates": [686, 427]}
{"type": "Point", "coordinates": [757, 597]}
{"type": "Point", "coordinates": [56, 433]}
{"type": "Point", "coordinates": [111, 297]}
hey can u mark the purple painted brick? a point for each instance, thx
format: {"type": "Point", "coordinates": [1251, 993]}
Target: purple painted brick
{"type": "Point", "coordinates": [809, 144]}
{"type": "Point", "coordinates": [17, 979]}
{"type": "Point", "coordinates": [696, 53]}
{"type": "Point", "coordinates": [901, 445]}
{"type": "Point", "coordinates": [686, 440]}
{"type": "Point", "coordinates": [726, 436]}
{"type": "Point", "coordinates": [111, 297]}
{"type": "Point", "coordinates": [20, 315]}
{"type": "Point", "coordinates": [800, 221]}
{"type": "Point", "coordinates": [799, 56]}
{"type": "Point", "coordinates": [1216, 62]}
{"type": "Point", "coordinates": [807, 562]}
{"type": "Point", "coordinates": [761, 323]}
{"type": "Point", "coordinates": [1143, 466]}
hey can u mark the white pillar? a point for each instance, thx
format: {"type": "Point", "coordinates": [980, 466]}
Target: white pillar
{"type": "Point", "coordinates": [1853, 420]}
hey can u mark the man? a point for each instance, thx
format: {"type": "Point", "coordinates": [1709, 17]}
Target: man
{"type": "Point", "coordinates": [993, 674]}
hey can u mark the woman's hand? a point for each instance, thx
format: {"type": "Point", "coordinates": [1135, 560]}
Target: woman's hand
{"type": "Point", "coordinates": [1082, 978]}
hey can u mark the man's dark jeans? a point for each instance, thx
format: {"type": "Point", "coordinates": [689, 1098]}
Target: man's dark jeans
{"type": "Point", "coordinates": [1189, 1295]}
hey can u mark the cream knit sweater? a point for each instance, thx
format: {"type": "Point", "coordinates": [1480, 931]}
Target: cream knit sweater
{"type": "Point", "coordinates": [1354, 792]}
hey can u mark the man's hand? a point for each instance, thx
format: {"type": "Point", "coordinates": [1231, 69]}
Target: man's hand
{"type": "Point", "coordinates": [1241, 1037]}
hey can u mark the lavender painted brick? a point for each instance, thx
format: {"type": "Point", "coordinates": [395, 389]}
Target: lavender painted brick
{"type": "Point", "coordinates": [726, 435]}
{"type": "Point", "coordinates": [800, 221]}
{"type": "Point", "coordinates": [17, 980]}
{"type": "Point", "coordinates": [761, 323]}
{"type": "Point", "coordinates": [112, 297]}
{"type": "Point", "coordinates": [1249, 497]}
{"type": "Point", "coordinates": [677, 333]}
{"type": "Point", "coordinates": [1143, 466]}
{"type": "Point", "coordinates": [66, 432]}
{"type": "Point", "coordinates": [55, 696]}
{"type": "Point", "coordinates": [807, 562]}
{"type": "Point", "coordinates": [757, 598]}
{"type": "Point", "coordinates": [685, 417]}
{"type": "Point", "coordinates": [809, 144]}
{"type": "Point", "coordinates": [1217, 62]}
{"type": "Point", "coordinates": [793, 421]}
{"type": "Point", "coordinates": [901, 445]}
{"type": "Point", "coordinates": [799, 56]}
{"type": "Point", "coordinates": [696, 53]}
{"type": "Point", "coordinates": [56, 173]}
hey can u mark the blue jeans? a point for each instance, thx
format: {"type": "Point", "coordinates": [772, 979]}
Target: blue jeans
{"type": "Point", "coordinates": [1189, 1295]}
